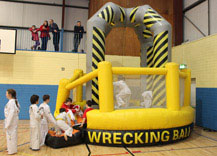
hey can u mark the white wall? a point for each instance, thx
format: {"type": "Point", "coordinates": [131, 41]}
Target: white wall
{"type": "Point", "coordinates": [199, 16]}
{"type": "Point", "coordinates": [25, 15]}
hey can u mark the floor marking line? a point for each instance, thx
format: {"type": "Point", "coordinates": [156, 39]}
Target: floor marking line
{"type": "Point", "coordinates": [89, 154]}
{"type": "Point", "coordinates": [205, 136]}
{"type": "Point", "coordinates": [17, 146]}
{"type": "Point", "coordinates": [128, 151]}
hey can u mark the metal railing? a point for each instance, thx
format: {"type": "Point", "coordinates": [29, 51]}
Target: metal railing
{"type": "Point", "coordinates": [24, 41]}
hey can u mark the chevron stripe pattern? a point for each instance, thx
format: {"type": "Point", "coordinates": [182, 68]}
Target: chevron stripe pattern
{"type": "Point", "coordinates": [151, 17]}
{"type": "Point", "coordinates": [107, 14]}
{"type": "Point", "coordinates": [123, 14]}
{"type": "Point", "coordinates": [133, 15]}
{"type": "Point", "coordinates": [98, 55]}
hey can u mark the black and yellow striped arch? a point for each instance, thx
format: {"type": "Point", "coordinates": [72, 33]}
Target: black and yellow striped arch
{"type": "Point", "coordinates": [151, 17]}
{"type": "Point", "coordinates": [98, 55]}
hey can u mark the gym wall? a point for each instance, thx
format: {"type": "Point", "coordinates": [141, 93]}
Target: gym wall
{"type": "Point", "coordinates": [200, 56]}
{"type": "Point", "coordinates": [39, 73]}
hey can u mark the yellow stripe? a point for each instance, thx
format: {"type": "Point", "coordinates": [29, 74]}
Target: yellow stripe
{"type": "Point", "coordinates": [110, 13]}
{"type": "Point", "coordinates": [99, 38]}
{"type": "Point", "coordinates": [102, 33]}
{"type": "Point", "coordinates": [98, 46]}
{"type": "Point", "coordinates": [95, 80]}
{"type": "Point", "coordinates": [97, 55]}
{"type": "Point", "coordinates": [156, 80]}
{"type": "Point", "coordinates": [133, 11]}
{"type": "Point", "coordinates": [158, 35]}
{"type": "Point", "coordinates": [163, 101]}
{"type": "Point", "coordinates": [151, 14]}
{"type": "Point", "coordinates": [106, 16]}
{"type": "Point", "coordinates": [157, 88]}
{"type": "Point", "coordinates": [159, 52]}
{"type": "Point", "coordinates": [100, 15]}
{"type": "Point", "coordinates": [158, 61]}
{"type": "Point", "coordinates": [160, 42]}
{"type": "Point", "coordinates": [94, 89]}
{"type": "Point", "coordinates": [122, 14]}
{"type": "Point", "coordinates": [148, 59]}
{"type": "Point", "coordinates": [149, 51]}
{"type": "Point", "coordinates": [156, 98]}
{"type": "Point", "coordinates": [151, 19]}
{"type": "Point", "coordinates": [133, 18]}
{"type": "Point", "coordinates": [95, 99]}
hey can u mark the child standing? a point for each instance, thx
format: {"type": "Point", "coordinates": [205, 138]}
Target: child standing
{"type": "Point", "coordinates": [11, 111]}
{"type": "Point", "coordinates": [35, 118]}
{"type": "Point", "coordinates": [47, 117]}
{"type": "Point", "coordinates": [61, 123]}
{"type": "Point", "coordinates": [34, 37]}
{"type": "Point", "coordinates": [88, 108]}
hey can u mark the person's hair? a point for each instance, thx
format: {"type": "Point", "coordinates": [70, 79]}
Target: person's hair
{"type": "Point", "coordinates": [34, 98]}
{"type": "Point", "coordinates": [46, 97]}
{"type": "Point", "coordinates": [51, 20]}
{"type": "Point", "coordinates": [62, 110]}
{"type": "Point", "coordinates": [78, 21]}
{"type": "Point", "coordinates": [46, 22]}
{"type": "Point", "coordinates": [33, 26]}
{"type": "Point", "coordinates": [13, 94]}
{"type": "Point", "coordinates": [89, 103]}
{"type": "Point", "coordinates": [68, 100]}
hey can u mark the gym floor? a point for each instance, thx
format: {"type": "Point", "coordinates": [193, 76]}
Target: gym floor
{"type": "Point", "coordinates": [201, 143]}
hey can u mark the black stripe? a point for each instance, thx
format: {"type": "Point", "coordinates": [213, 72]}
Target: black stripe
{"type": "Point", "coordinates": [94, 65]}
{"type": "Point", "coordinates": [148, 17]}
{"type": "Point", "coordinates": [159, 99]}
{"type": "Point", "coordinates": [128, 151]}
{"type": "Point", "coordinates": [160, 55]}
{"type": "Point", "coordinates": [146, 33]}
{"type": "Point", "coordinates": [99, 52]}
{"type": "Point", "coordinates": [162, 36]}
{"type": "Point", "coordinates": [89, 154]}
{"type": "Point", "coordinates": [157, 92]}
{"type": "Point", "coordinates": [96, 58]}
{"type": "Point", "coordinates": [150, 55]}
{"type": "Point", "coordinates": [160, 46]}
{"type": "Point", "coordinates": [149, 48]}
{"type": "Point", "coordinates": [148, 63]}
{"type": "Point", "coordinates": [163, 61]}
{"type": "Point", "coordinates": [131, 16]}
{"type": "Point", "coordinates": [95, 94]}
{"type": "Point", "coordinates": [108, 15]}
{"type": "Point", "coordinates": [100, 44]}
{"type": "Point", "coordinates": [151, 22]}
{"type": "Point", "coordinates": [112, 15]}
{"type": "Point", "coordinates": [103, 15]}
{"type": "Point", "coordinates": [122, 13]}
{"type": "Point", "coordinates": [95, 85]}
{"type": "Point", "coordinates": [99, 33]}
{"type": "Point", "coordinates": [152, 12]}
{"type": "Point", "coordinates": [161, 79]}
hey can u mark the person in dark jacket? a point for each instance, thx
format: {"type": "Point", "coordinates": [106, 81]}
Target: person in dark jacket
{"type": "Point", "coordinates": [78, 35]}
{"type": "Point", "coordinates": [56, 34]}
{"type": "Point", "coordinates": [44, 35]}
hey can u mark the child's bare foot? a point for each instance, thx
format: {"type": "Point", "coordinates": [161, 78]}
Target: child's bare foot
{"type": "Point", "coordinates": [65, 137]}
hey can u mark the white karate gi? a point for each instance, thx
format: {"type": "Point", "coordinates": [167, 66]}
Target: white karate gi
{"type": "Point", "coordinates": [11, 123]}
{"type": "Point", "coordinates": [35, 124]}
{"type": "Point", "coordinates": [62, 118]}
{"type": "Point", "coordinates": [47, 117]}
{"type": "Point", "coordinates": [147, 95]}
{"type": "Point", "coordinates": [122, 93]}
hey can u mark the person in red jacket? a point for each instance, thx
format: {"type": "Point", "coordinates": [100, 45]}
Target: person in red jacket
{"type": "Point", "coordinates": [44, 35]}
{"type": "Point", "coordinates": [88, 108]}
{"type": "Point", "coordinates": [69, 106]}
{"type": "Point", "coordinates": [35, 37]}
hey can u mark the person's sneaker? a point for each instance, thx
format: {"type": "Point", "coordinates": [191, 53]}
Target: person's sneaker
{"type": "Point", "coordinates": [32, 47]}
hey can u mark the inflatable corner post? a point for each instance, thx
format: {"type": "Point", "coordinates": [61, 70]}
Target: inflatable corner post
{"type": "Point", "coordinates": [63, 93]}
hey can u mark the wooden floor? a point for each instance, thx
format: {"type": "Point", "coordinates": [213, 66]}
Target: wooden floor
{"type": "Point", "coordinates": [200, 143]}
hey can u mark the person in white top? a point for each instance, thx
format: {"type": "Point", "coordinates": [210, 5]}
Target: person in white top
{"type": "Point", "coordinates": [122, 93]}
{"type": "Point", "coordinates": [47, 117]}
{"type": "Point", "coordinates": [62, 118]}
{"type": "Point", "coordinates": [11, 112]}
{"type": "Point", "coordinates": [35, 123]}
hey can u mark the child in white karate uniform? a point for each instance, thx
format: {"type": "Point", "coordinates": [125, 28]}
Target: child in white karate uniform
{"type": "Point", "coordinates": [35, 123]}
{"type": "Point", "coordinates": [47, 117]}
{"type": "Point", "coordinates": [11, 112]}
{"type": "Point", "coordinates": [62, 118]}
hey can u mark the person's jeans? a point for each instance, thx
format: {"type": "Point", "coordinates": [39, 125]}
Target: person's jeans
{"type": "Point", "coordinates": [44, 41]}
{"type": "Point", "coordinates": [77, 40]}
{"type": "Point", "coordinates": [56, 40]}
{"type": "Point", "coordinates": [37, 43]}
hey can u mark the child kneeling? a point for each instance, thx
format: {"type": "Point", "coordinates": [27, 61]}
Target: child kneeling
{"type": "Point", "coordinates": [62, 125]}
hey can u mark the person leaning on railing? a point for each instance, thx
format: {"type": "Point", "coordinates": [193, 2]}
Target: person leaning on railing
{"type": "Point", "coordinates": [44, 35]}
{"type": "Point", "coordinates": [78, 35]}
{"type": "Point", "coordinates": [56, 34]}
